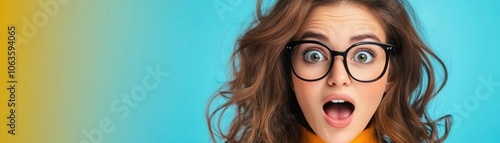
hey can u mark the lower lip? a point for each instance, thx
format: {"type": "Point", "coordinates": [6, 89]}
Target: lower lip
{"type": "Point", "coordinates": [338, 123]}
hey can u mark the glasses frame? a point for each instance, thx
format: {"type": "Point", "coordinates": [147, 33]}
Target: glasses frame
{"type": "Point", "coordinates": [387, 48]}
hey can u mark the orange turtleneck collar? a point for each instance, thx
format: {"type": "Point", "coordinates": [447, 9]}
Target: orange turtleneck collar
{"type": "Point", "coordinates": [366, 136]}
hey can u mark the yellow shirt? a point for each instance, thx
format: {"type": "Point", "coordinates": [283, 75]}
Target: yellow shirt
{"type": "Point", "coordinates": [366, 136]}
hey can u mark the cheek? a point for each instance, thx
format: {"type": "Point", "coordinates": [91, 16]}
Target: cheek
{"type": "Point", "coordinates": [370, 96]}
{"type": "Point", "coordinates": [307, 94]}
{"type": "Point", "coordinates": [371, 91]}
{"type": "Point", "coordinates": [303, 90]}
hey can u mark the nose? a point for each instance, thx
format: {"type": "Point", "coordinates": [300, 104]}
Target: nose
{"type": "Point", "coordinates": [338, 74]}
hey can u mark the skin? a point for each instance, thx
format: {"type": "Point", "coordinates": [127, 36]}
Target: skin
{"type": "Point", "coordinates": [338, 23]}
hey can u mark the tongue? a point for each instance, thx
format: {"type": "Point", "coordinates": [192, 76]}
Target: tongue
{"type": "Point", "coordinates": [338, 111]}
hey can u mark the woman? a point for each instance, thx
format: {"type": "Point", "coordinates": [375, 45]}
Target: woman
{"type": "Point", "coordinates": [331, 71]}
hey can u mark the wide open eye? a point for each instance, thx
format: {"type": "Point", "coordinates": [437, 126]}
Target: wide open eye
{"type": "Point", "coordinates": [314, 56]}
{"type": "Point", "coordinates": [363, 57]}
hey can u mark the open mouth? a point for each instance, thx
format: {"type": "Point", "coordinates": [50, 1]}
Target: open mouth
{"type": "Point", "coordinates": [338, 112]}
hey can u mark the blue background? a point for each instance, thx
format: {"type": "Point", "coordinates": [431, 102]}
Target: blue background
{"type": "Point", "coordinates": [463, 33]}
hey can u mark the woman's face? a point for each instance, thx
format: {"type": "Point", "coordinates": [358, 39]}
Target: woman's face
{"type": "Point", "coordinates": [339, 26]}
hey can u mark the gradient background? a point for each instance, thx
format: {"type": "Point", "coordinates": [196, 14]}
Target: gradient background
{"type": "Point", "coordinates": [76, 59]}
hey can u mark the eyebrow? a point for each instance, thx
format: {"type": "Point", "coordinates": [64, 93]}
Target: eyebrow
{"type": "Point", "coordinates": [355, 38]}
{"type": "Point", "coordinates": [310, 34]}
{"type": "Point", "coordinates": [363, 37]}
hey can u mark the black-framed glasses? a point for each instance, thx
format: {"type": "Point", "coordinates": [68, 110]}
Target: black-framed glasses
{"type": "Point", "coordinates": [364, 61]}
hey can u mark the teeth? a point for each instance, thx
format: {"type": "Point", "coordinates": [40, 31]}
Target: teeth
{"type": "Point", "coordinates": [337, 101]}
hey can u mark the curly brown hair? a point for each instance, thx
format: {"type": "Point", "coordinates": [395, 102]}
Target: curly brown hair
{"type": "Point", "coordinates": [265, 107]}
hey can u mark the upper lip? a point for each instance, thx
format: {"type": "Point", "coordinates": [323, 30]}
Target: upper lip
{"type": "Point", "coordinates": [344, 97]}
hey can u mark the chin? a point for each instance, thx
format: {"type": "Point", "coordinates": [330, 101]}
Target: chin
{"type": "Point", "coordinates": [344, 135]}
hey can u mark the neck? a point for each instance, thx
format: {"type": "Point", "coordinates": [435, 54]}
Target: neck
{"type": "Point", "coordinates": [366, 136]}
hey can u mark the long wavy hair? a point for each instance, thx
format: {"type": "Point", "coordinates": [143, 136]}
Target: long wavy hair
{"type": "Point", "coordinates": [264, 108]}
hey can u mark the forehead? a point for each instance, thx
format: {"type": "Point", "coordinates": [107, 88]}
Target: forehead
{"type": "Point", "coordinates": [339, 23]}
